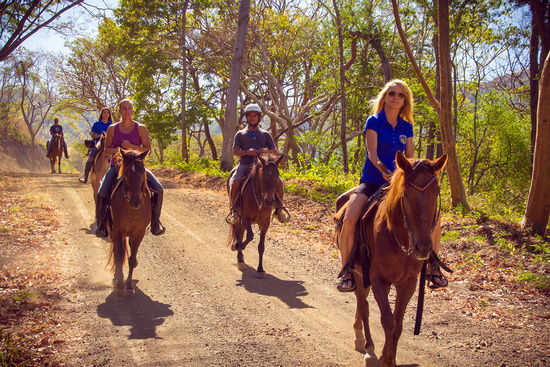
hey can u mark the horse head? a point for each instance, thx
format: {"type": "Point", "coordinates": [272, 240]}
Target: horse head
{"type": "Point", "coordinates": [417, 189]}
{"type": "Point", "coordinates": [132, 172]}
{"type": "Point", "coordinates": [269, 176]}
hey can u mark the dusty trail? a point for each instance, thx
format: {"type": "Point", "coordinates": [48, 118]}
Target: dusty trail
{"type": "Point", "coordinates": [192, 306]}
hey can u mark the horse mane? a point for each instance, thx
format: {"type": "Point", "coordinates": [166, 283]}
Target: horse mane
{"type": "Point", "coordinates": [131, 156]}
{"type": "Point", "coordinates": [396, 189]}
{"type": "Point", "coordinates": [257, 166]}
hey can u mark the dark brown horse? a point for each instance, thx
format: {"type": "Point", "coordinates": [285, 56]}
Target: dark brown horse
{"type": "Point", "coordinates": [56, 152]}
{"type": "Point", "coordinates": [399, 239]}
{"type": "Point", "coordinates": [258, 201]}
{"type": "Point", "coordinates": [131, 214]}
{"type": "Point", "coordinates": [100, 167]}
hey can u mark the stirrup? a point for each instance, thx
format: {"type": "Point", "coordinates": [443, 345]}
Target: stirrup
{"type": "Point", "coordinates": [160, 231]}
{"type": "Point", "coordinates": [282, 216]}
{"type": "Point", "coordinates": [83, 179]}
{"type": "Point", "coordinates": [232, 217]}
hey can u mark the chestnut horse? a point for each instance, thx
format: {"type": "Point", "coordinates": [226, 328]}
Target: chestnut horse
{"type": "Point", "coordinates": [130, 215]}
{"type": "Point", "coordinates": [56, 153]}
{"type": "Point", "coordinates": [258, 201]}
{"type": "Point", "coordinates": [100, 167]}
{"type": "Point", "coordinates": [398, 241]}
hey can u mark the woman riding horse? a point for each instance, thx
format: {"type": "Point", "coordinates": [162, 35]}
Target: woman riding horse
{"type": "Point", "coordinates": [98, 129]}
{"type": "Point", "coordinates": [127, 134]}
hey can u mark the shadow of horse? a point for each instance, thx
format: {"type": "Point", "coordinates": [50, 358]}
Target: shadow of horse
{"type": "Point", "coordinates": [288, 291]}
{"type": "Point", "coordinates": [138, 311]}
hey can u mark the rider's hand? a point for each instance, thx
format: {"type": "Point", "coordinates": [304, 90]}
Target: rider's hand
{"type": "Point", "coordinates": [125, 144]}
{"type": "Point", "coordinates": [262, 150]}
{"type": "Point", "coordinates": [251, 151]}
{"type": "Point", "coordinates": [387, 176]}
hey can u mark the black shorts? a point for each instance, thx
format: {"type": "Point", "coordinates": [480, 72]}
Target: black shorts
{"type": "Point", "coordinates": [367, 188]}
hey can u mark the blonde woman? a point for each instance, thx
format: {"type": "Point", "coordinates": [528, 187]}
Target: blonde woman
{"type": "Point", "coordinates": [388, 130]}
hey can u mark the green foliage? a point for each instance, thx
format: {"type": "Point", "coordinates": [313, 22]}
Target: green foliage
{"type": "Point", "coordinates": [203, 165]}
{"type": "Point", "coordinates": [540, 281]}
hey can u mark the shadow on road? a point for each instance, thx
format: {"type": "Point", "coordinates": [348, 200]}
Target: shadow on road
{"type": "Point", "coordinates": [137, 310]}
{"type": "Point", "coordinates": [287, 291]}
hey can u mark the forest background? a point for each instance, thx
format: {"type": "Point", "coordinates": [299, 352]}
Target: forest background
{"type": "Point", "coordinates": [313, 67]}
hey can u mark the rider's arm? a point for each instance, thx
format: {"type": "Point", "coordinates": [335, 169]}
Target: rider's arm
{"type": "Point", "coordinates": [371, 138]}
{"type": "Point", "coordinates": [241, 153]}
{"type": "Point", "coordinates": [109, 150]}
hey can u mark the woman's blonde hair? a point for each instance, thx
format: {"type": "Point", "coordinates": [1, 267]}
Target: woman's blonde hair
{"type": "Point", "coordinates": [406, 112]}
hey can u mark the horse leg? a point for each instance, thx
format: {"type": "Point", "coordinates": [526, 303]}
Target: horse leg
{"type": "Point", "coordinates": [240, 260]}
{"type": "Point", "coordinates": [119, 243]}
{"type": "Point", "coordinates": [132, 260]}
{"type": "Point", "coordinates": [59, 164]}
{"type": "Point", "coordinates": [381, 291]}
{"type": "Point", "coordinates": [261, 247]}
{"type": "Point", "coordinates": [404, 294]}
{"type": "Point", "coordinates": [52, 163]}
{"type": "Point", "coordinates": [249, 234]}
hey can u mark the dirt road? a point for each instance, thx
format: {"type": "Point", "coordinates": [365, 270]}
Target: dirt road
{"type": "Point", "coordinates": [193, 307]}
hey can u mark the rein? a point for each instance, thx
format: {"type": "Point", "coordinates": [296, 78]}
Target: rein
{"type": "Point", "coordinates": [408, 250]}
{"type": "Point", "coordinates": [123, 171]}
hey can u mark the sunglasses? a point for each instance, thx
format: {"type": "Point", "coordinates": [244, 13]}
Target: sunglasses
{"type": "Point", "coordinates": [392, 93]}
{"type": "Point", "coordinates": [252, 134]}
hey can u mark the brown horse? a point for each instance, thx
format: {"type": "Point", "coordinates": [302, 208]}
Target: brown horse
{"type": "Point", "coordinates": [258, 201]}
{"type": "Point", "coordinates": [398, 241]}
{"type": "Point", "coordinates": [100, 167]}
{"type": "Point", "coordinates": [130, 215]}
{"type": "Point", "coordinates": [56, 153]}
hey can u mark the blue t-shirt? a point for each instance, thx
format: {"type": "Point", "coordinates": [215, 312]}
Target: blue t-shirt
{"type": "Point", "coordinates": [390, 141]}
{"type": "Point", "coordinates": [100, 127]}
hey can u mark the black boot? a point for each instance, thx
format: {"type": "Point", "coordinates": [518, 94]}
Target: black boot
{"type": "Point", "coordinates": [101, 217]}
{"type": "Point", "coordinates": [156, 202]}
{"type": "Point", "coordinates": [84, 177]}
{"type": "Point", "coordinates": [65, 149]}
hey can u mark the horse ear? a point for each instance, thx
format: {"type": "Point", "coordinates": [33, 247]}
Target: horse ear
{"type": "Point", "coordinates": [402, 162]}
{"type": "Point", "coordinates": [144, 155]}
{"type": "Point", "coordinates": [440, 163]}
{"type": "Point", "coordinates": [280, 159]}
{"type": "Point", "coordinates": [262, 160]}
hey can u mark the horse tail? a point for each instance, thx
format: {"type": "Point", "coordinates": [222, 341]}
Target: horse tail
{"type": "Point", "coordinates": [111, 260]}
{"type": "Point", "coordinates": [234, 234]}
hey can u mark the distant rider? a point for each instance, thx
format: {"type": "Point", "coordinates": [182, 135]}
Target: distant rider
{"type": "Point", "coordinates": [250, 142]}
{"type": "Point", "coordinates": [56, 130]}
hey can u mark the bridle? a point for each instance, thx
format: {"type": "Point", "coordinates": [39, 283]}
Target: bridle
{"type": "Point", "coordinates": [408, 182]}
{"type": "Point", "coordinates": [143, 186]}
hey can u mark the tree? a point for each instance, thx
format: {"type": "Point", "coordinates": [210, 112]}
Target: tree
{"type": "Point", "coordinates": [444, 106]}
{"type": "Point", "coordinates": [184, 149]}
{"type": "Point", "coordinates": [342, 89]}
{"type": "Point", "coordinates": [37, 93]}
{"type": "Point", "coordinates": [22, 19]}
{"type": "Point", "coordinates": [230, 125]}
{"type": "Point", "coordinates": [538, 204]}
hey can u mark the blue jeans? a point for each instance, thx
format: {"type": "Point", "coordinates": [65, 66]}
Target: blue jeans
{"type": "Point", "coordinates": [93, 153]}
{"type": "Point", "coordinates": [111, 175]}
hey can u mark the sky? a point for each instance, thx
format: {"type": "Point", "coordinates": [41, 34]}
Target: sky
{"type": "Point", "coordinates": [53, 42]}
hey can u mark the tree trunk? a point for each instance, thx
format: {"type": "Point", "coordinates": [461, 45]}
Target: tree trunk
{"type": "Point", "coordinates": [226, 161]}
{"type": "Point", "coordinates": [538, 203]}
{"type": "Point", "coordinates": [533, 82]}
{"type": "Point", "coordinates": [458, 194]}
{"type": "Point", "coordinates": [342, 91]}
{"type": "Point", "coordinates": [184, 147]}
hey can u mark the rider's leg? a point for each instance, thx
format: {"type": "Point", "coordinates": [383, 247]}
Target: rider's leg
{"type": "Point", "coordinates": [49, 147]}
{"type": "Point", "coordinates": [280, 209]}
{"type": "Point", "coordinates": [89, 164]}
{"type": "Point", "coordinates": [347, 233]}
{"type": "Point", "coordinates": [234, 193]}
{"type": "Point", "coordinates": [156, 201]}
{"type": "Point", "coordinates": [103, 195]}
{"type": "Point", "coordinates": [433, 271]}
{"type": "Point", "coordinates": [65, 149]}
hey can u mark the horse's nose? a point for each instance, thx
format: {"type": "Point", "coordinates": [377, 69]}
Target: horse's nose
{"type": "Point", "coordinates": [135, 202]}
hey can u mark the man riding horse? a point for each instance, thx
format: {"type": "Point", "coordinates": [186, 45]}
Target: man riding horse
{"type": "Point", "coordinates": [249, 143]}
{"type": "Point", "coordinates": [56, 130]}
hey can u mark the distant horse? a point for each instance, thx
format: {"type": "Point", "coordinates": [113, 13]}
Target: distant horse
{"type": "Point", "coordinates": [398, 240]}
{"type": "Point", "coordinates": [56, 152]}
{"type": "Point", "coordinates": [258, 201]}
{"type": "Point", "coordinates": [130, 215]}
{"type": "Point", "coordinates": [100, 167]}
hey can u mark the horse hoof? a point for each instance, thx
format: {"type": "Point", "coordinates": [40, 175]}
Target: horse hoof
{"type": "Point", "coordinates": [370, 359]}
{"type": "Point", "coordinates": [261, 275]}
{"type": "Point", "coordinates": [241, 266]}
{"type": "Point", "coordinates": [121, 293]}
{"type": "Point", "coordinates": [360, 345]}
